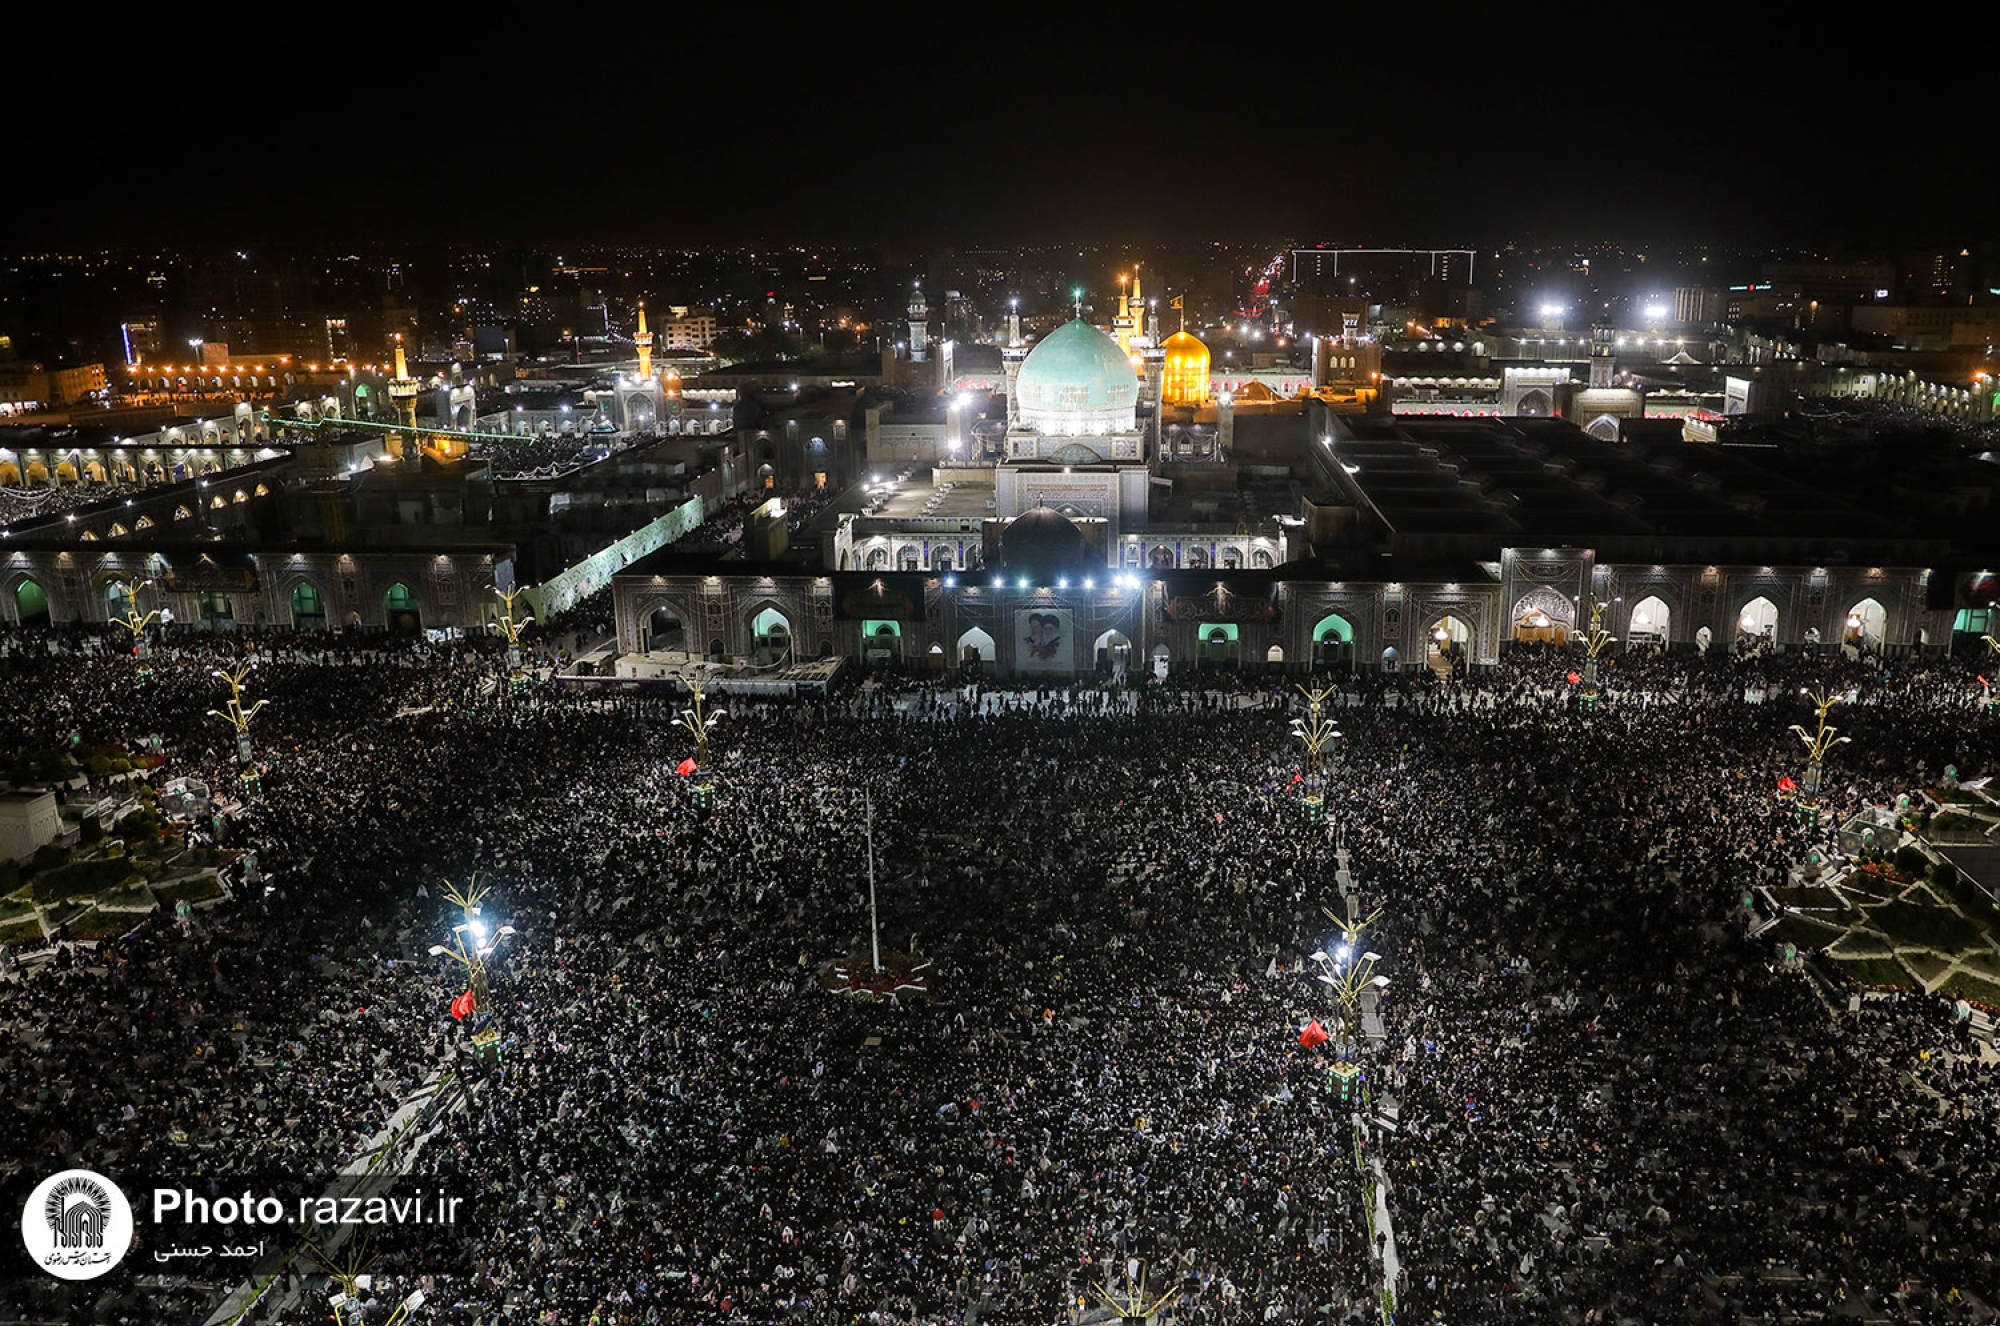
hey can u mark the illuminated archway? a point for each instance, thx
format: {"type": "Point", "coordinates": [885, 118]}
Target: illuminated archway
{"type": "Point", "coordinates": [401, 611]}
{"type": "Point", "coordinates": [1757, 620]}
{"type": "Point", "coordinates": [1866, 625]}
{"type": "Point", "coordinates": [1333, 643]}
{"type": "Point", "coordinates": [31, 603]}
{"type": "Point", "coordinates": [976, 646]}
{"type": "Point", "coordinates": [1652, 622]}
{"type": "Point", "coordinates": [770, 635]}
{"type": "Point", "coordinates": [1448, 642]}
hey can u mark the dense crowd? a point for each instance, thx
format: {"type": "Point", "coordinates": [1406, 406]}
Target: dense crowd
{"type": "Point", "coordinates": [1599, 1101]}
{"type": "Point", "coordinates": [39, 501]}
{"type": "Point", "coordinates": [544, 455]}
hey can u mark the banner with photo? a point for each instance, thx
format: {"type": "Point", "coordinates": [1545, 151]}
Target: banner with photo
{"type": "Point", "coordinates": [1042, 640]}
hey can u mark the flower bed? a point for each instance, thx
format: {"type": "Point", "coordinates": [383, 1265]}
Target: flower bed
{"type": "Point", "coordinates": [1967, 986]}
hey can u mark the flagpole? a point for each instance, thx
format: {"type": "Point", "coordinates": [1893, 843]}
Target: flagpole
{"type": "Point", "coordinates": [874, 929]}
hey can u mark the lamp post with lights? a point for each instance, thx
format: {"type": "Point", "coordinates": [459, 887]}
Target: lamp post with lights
{"type": "Point", "coordinates": [1993, 661]}
{"type": "Point", "coordinates": [699, 721]}
{"type": "Point", "coordinates": [351, 1283]}
{"type": "Point", "coordinates": [238, 717]}
{"type": "Point", "coordinates": [1348, 972]}
{"type": "Point", "coordinates": [511, 628]}
{"type": "Point", "coordinates": [1819, 744]}
{"type": "Point", "coordinates": [136, 623]}
{"type": "Point", "coordinates": [1131, 1304]}
{"type": "Point", "coordinates": [1594, 641]}
{"type": "Point", "coordinates": [1316, 732]}
{"type": "Point", "coordinates": [472, 941]}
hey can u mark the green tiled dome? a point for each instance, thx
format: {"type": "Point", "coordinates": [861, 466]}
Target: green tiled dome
{"type": "Point", "coordinates": [1077, 381]}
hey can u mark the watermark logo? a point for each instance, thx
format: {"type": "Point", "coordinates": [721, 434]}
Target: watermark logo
{"type": "Point", "coordinates": [77, 1224]}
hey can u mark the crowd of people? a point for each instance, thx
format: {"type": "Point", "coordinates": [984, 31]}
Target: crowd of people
{"type": "Point", "coordinates": [1595, 1099]}
{"type": "Point", "coordinates": [40, 501]}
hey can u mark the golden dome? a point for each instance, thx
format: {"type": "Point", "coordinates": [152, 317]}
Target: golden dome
{"type": "Point", "coordinates": [1185, 380]}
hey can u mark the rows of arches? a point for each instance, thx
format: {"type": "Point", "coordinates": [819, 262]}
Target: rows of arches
{"type": "Point", "coordinates": [1200, 557]}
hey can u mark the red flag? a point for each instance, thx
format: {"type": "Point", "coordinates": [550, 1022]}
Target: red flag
{"type": "Point", "coordinates": [685, 767]}
{"type": "Point", "coordinates": [1574, 678]}
{"type": "Point", "coordinates": [1785, 784]}
{"type": "Point", "coordinates": [1298, 778]}
{"type": "Point", "coordinates": [462, 1005]}
{"type": "Point", "coordinates": [1314, 1034]}
{"type": "Point", "coordinates": [1984, 682]}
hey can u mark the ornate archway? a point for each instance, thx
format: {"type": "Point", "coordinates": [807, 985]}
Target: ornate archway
{"type": "Point", "coordinates": [1651, 622]}
{"type": "Point", "coordinates": [1543, 615]}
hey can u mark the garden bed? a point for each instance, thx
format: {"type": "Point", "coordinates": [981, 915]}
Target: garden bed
{"type": "Point", "coordinates": [1807, 934]}
{"type": "Point", "coordinates": [1952, 827]}
{"type": "Point", "coordinates": [27, 930]}
{"type": "Point", "coordinates": [133, 898]}
{"type": "Point", "coordinates": [82, 879]}
{"type": "Point", "coordinates": [1925, 927]}
{"type": "Point", "coordinates": [1927, 966]}
{"type": "Point", "coordinates": [1863, 944]}
{"type": "Point", "coordinates": [96, 924]}
{"type": "Point", "coordinates": [1885, 972]}
{"type": "Point", "coordinates": [1872, 885]}
{"type": "Point", "coordinates": [1809, 896]}
{"type": "Point", "coordinates": [1979, 991]}
{"type": "Point", "coordinates": [194, 888]}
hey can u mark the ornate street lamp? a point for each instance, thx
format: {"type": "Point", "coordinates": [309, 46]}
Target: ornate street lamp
{"type": "Point", "coordinates": [1819, 744]}
{"type": "Point", "coordinates": [511, 627]}
{"type": "Point", "coordinates": [1594, 642]}
{"type": "Point", "coordinates": [1348, 972]}
{"type": "Point", "coordinates": [1993, 645]}
{"type": "Point", "coordinates": [239, 718]}
{"type": "Point", "coordinates": [349, 1281]}
{"type": "Point", "coordinates": [472, 941]}
{"type": "Point", "coordinates": [136, 623]}
{"type": "Point", "coordinates": [1132, 1305]}
{"type": "Point", "coordinates": [699, 721]}
{"type": "Point", "coordinates": [1315, 732]}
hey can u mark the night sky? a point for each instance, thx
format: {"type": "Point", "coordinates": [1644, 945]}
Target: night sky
{"type": "Point", "coordinates": [1024, 126]}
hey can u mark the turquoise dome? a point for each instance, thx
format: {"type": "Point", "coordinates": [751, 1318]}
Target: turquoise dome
{"type": "Point", "coordinates": [1077, 381]}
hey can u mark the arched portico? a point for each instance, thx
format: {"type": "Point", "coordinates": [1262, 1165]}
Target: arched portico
{"type": "Point", "coordinates": [1333, 644]}
{"type": "Point", "coordinates": [1757, 620]}
{"type": "Point", "coordinates": [977, 646]}
{"type": "Point", "coordinates": [1651, 622]}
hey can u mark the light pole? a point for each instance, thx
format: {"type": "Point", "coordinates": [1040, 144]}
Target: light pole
{"type": "Point", "coordinates": [1316, 733]}
{"type": "Point", "coordinates": [239, 718]}
{"type": "Point", "coordinates": [1134, 1305]}
{"type": "Point", "coordinates": [472, 941]}
{"type": "Point", "coordinates": [136, 623]}
{"type": "Point", "coordinates": [699, 721]}
{"type": "Point", "coordinates": [352, 1281]}
{"type": "Point", "coordinates": [1347, 972]}
{"type": "Point", "coordinates": [1594, 642]}
{"type": "Point", "coordinates": [1993, 647]}
{"type": "Point", "coordinates": [1819, 744]}
{"type": "Point", "coordinates": [511, 627]}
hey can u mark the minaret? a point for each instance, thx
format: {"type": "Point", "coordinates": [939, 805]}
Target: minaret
{"type": "Point", "coordinates": [403, 395]}
{"type": "Point", "coordinates": [1603, 356]}
{"type": "Point", "coordinates": [1011, 355]}
{"type": "Point", "coordinates": [1121, 326]}
{"type": "Point", "coordinates": [920, 326]}
{"type": "Point", "coordinates": [644, 340]}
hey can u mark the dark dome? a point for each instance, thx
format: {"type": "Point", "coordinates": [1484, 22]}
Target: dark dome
{"type": "Point", "coordinates": [1041, 543]}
